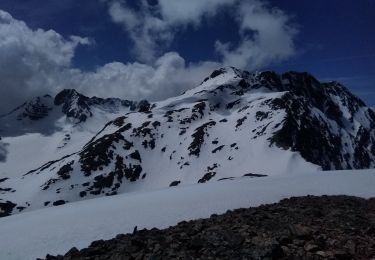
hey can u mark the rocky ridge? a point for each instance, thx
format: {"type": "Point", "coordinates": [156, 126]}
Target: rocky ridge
{"type": "Point", "coordinates": [71, 103]}
{"type": "Point", "coordinates": [233, 120]}
{"type": "Point", "coordinates": [327, 227]}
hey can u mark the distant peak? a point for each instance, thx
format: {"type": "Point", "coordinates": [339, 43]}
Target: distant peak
{"type": "Point", "coordinates": [218, 72]}
{"type": "Point", "coordinates": [65, 95]}
{"type": "Point", "coordinates": [68, 92]}
{"type": "Point", "coordinates": [225, 70]}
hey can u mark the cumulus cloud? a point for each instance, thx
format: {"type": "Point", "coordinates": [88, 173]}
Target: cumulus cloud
{"type": "Point", "coordinates": [265, 32]}
{"type": "Point", "coordinates": [181, 12]}
{"type": "Point", "coordinates": [35, 62]}
{"type": "Point", "coordinates": [147, 31]}
{"type": "Point", "coordinates": [168, 76]}
{"type": "Point", "coordinates": [38, 62]}
{"type": "Point", "coordinates": [31, 61]}
{"type": "Point", "coordinates": [266, 36]}
{"type": "Point", "coordinates": [152, 27]}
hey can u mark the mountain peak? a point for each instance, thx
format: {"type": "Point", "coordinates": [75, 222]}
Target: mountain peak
{"type": "Point", "coordinates": [233, 120]}
{"type": "Point", "coordinates": [67, 95]}
{"type": "Point", "coordinates": [231, 71]}
{"type": "Point", "coordinates": [36, 108]}
{"type": "Point", "coordinates": [74, 104]}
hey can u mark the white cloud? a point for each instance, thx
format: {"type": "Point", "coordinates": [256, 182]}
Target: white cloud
{"type": "Point", "coordinates": [35, 62]}
{"type": "Point", "coordinates": [31, 60]}
{"type": "Point", "coordinates": [146, 30]}
{"type": "Point", "coordinates": [152, 27]}
{"type": "Point", "coordinates": [266, 34]}
{"type": "Point", "coordinates": [182, 12]}
{"type": "Point", "coordinates": [271, 38]}
{"type": "Point", "coordinates": [168, 76]}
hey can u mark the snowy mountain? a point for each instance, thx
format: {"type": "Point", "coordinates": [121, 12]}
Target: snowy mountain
{"type": "Point", "coordinates": [235, 124]}
{"type": "Point", "coordinates": [41, 113]}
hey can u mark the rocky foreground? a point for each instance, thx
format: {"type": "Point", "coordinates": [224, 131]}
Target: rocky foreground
{"type": "Point", "coordinates": [328, 227]}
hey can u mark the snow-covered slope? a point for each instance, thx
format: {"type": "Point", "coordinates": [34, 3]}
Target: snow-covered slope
{"type": "Point", "coordinates": [235, 123]}
{"type": "Point", "coordinates": [47, 128]}
{"type": "Point", "coordinates": [56, 230]}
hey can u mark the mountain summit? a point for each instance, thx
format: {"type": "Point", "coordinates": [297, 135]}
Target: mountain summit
{"type": "Point", "coordinates": [235, 124]}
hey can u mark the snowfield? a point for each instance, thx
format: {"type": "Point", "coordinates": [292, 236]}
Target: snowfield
{"type": "Point", "coordinates": [76, 150]}
{"type": "Point", "coordinates": [55, 230]}
{"type": "Point", "coordinates": [71, 147]}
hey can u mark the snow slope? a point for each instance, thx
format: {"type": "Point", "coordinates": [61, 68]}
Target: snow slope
{"type": "Point", "coordinates": [234, 123]}
{"type": "Point", "coordinates": [55, 230]}
{"type": "Point", "coordinates": [45, 128]}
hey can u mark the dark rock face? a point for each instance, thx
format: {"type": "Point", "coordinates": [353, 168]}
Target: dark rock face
{"type": "Point", "coordinates": [316, 127]}
{"type": "Point", "coordinates": [74, 104]}
{"type": "Point", "coordinates": [320, 118]}
{"type": "Point", "coordinates": [144, 106]}
{"type": "Point", "coordinates": [6, 208]}
{"type": "Point", "coordinates": [309, 136]}
{"type": "Point", "coordinates": [35, 109]}
{"type": "Point", "coordinates": [208, 176]}
{"type": "Point", "coordinates": [254, 175]}
{"type": "Point", "coordinates": [65, 171]}
{"type": "Point", "coordinates": [59, 202]}
{"type": "Point", "coordinates": [174, 183]}
{"type": "Point", "coordinates": [198, 138]}
{"type": "Point", "coordinates": [216, 73]}
{"type": "Point", "coordinates": [101, 153]}
{"type": "Point", "coordinates": [336, 227]}
{"type": "Point", "coordinates": [97, 154]}
{"type": "Point", "coordinates": [78, 106]}
{"type": "Point", "coordinates": [219, 148]}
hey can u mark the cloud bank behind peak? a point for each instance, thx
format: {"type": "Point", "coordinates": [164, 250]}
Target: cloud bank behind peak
{"type": "Point", "coordinates": [35, 62]}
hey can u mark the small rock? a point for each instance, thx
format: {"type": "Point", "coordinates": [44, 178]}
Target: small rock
{"type": "Point", "coordinates": [350, 245]}
{"type": "Point", "coordinates": [311, 247]}
{"type": "Point", "coordinates": [299, 231]}
{"type": "Point", "coordinates": [286, 250]}
{"type": "Point", "coordinates": [321, 253]}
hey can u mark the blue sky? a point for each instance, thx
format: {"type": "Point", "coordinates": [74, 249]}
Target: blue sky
{"type": "Point", "coordinates": [332, 39]}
